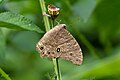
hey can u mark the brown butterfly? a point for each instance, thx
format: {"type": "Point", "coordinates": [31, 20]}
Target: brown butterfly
{"type": "Point", "coordinates": [59, 43]}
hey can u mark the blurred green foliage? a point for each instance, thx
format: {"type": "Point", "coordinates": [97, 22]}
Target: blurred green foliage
{"type": "Point", "coordinates": [2, 47]}
{"type": "Point", "coordinates": [95, 25]}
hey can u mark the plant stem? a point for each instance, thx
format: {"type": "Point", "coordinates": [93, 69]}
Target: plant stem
{"type": "Point", "coordinates": [5, 75]}
{"type": "Point", "coordinates": [56, 67]}
{"type": "Point", "coordinates": [53, 23]}
{"type": "Point", "coordinates": [47, 26]}
{"type": "Point", "coordinates": [45, 18]}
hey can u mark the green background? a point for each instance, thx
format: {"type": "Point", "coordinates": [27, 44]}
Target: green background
{"type": "Point", "coordinates": [94, 24]}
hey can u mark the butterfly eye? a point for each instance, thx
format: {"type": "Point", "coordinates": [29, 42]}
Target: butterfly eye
{"type": "Point", "coordinates": [41, 48]}
{"type": "Point", "coordinates": [58, 49]}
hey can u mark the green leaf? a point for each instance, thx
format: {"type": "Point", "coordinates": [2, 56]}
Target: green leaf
{"type": "Point", "coordinates": [2, 46]}
{"type": "Point", "coordinates": [18, 22]}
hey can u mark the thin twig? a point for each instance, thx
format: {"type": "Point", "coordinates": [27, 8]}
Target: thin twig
{"type": "Point", "coordinates": [53, 23]}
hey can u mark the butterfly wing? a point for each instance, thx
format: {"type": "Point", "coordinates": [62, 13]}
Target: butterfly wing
{"type": "Point", "coordinates": [69, 48]}
{"type": "Point", "coordinates": [58, 42]}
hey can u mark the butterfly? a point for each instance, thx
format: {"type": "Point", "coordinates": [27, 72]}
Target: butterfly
{"type": "Point", "coordinates": [59, 43]}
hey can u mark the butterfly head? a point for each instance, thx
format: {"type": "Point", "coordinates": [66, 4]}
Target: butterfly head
{"type": "Point", "coordinates": [62, 26]}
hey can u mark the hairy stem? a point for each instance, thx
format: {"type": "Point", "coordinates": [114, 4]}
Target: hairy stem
{"type": "Point", "coordinates": [5, 75]}
{"type": "Point", "coordinates": [47, 26]}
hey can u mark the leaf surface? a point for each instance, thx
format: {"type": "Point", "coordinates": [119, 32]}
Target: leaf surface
{"type": "Point", "coordinates": [18, 22]}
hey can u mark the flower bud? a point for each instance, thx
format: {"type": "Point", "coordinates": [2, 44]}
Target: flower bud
{"type": "Point", "coordinates": [53, 11]}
